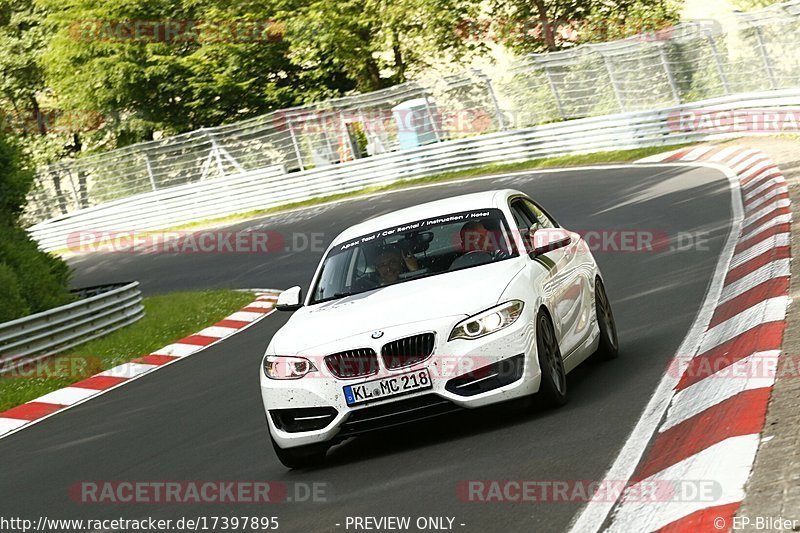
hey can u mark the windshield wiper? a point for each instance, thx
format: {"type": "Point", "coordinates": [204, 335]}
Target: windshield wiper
{"type": "Point", "coordinates": [335, 296]}
{"type": "Point", "coordinates": [343, 294]}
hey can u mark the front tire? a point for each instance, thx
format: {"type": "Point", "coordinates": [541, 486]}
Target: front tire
{"type": "Point", "coordinates": [302, 456]}
{"type": "Point", "coordinates": [553, 387]}
{"type": "Point", "coordinates": [609, 342]}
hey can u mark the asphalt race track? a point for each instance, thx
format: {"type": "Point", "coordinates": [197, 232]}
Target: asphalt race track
{"type": "Point", "coordinates": [201, 419]}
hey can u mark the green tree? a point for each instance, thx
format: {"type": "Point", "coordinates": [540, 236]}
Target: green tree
{"type": "Point", "coordinates": [169, 66]}
{"type": "Point", "coordinates": [23, 36]}
{"type": "Point", "coordinates": [375, 43]}
{"type": "Point", "coordinates": [550, 25]}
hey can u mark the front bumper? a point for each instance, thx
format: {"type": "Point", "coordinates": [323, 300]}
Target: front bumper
{"type": "Point", "coordinates": [464, 374]}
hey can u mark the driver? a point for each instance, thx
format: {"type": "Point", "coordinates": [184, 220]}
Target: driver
{"type": "Point", "coordinates": [389, 264]}
{"type": "Point", "coordinates": [476, 238]}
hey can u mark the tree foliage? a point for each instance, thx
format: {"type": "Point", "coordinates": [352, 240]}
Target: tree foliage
{"type": "Point", "coordinates": [376, 43]}
{"type": "Point", "coordinates": [92, 75]}
{"type": "Point", "coordinates": [550, 25]}
{"type": "Point", "coordinates": [30, 280]}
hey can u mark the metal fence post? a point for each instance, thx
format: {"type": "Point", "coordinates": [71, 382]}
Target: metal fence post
{"type": "Point", "coordinates": [762, 50]}
{"type": "Point", "coordinates": [551, 82]}
{"type": "Point", "coordinates": [673, 86]}
{"type": "Point", "coordinates": [52, 171]}
{"type": "Point", "coordinates": [612, 79]}
{"type": "Point", "coordinates": [347, 138]}
{"type": "Point", "coordinates": [493, 96]}
{"type": "Point", "coordinates": [149, 171]}
{"type": "Point", "coordinates": [294, 143]}
{"type": "Point", "coordinates": [720, 70]}
{"type": "Point", "coordinates": [72, 185]}
{"type": "Point", "coordinates": [430, 117]}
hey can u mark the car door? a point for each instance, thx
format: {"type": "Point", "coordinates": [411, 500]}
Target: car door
{"type": "Point", "coordinates": [563, 285]}
{"type": "Point", "coordinates": [581, 280]}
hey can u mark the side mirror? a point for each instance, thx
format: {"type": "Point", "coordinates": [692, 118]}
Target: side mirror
{"type": "Point", "coordinates": [290, 299]}
{"type": "Point", "coordinates": [548, 239]}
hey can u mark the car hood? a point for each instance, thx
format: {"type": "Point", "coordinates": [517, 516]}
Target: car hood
{"type": "Point", "coordinates": [461, 293]}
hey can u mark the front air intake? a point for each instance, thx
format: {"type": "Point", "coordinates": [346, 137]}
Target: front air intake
{"type": "Point", "coordinates": [408, 351]}
{"type": "Point", "coordinates": [353, 363]}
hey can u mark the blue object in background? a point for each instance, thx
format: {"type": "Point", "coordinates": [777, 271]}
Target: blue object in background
{"type": "Point", "coordinates": [416, 123]}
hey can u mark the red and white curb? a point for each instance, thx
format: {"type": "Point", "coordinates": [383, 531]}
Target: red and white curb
{"type": "Point", "coordinates": [703, 423]}
{"type": "Point", "coordinates": [22, 416]}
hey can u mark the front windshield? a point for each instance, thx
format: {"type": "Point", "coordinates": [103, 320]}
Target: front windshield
{"type": "Point", "coordinates": [410, 251]}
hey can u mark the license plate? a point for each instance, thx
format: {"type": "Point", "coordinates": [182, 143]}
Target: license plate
{"type": "Point", "coordinates": [378, 389]}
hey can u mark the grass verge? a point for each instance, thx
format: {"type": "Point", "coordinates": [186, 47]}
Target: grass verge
{"type": "Point", "coordinates": [167, 318]}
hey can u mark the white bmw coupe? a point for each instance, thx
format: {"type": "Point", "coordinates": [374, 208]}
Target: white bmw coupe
{"type": "Point", "coordinates": [452, 304]}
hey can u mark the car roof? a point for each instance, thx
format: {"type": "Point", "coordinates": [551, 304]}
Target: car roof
{"type": "Point", "coordinates": [454, 204]}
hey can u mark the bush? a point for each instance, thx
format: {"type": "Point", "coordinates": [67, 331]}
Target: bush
{"type": "Point", "coordinates": [30, 280]}
{"type": "Point", "coordinates": [41, 278]}
{"type": "Point", "coordinates": [12, 304]}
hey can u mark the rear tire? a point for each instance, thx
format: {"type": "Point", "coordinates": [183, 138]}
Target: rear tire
{"type": "Point", "coordinates": [302, 456]}
{"type": "Point", "coordinates": [609, 342]}
{"type": "Point", "coordinates": [553, 386]}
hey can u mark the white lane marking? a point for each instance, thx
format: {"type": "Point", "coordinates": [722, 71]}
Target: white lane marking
{"type": "Point", "coordinates": [216, 331]}
{"type": "Point", "coordinates": [594, 513]}
{"type": "Point", "coordinates": [766, 198]}
{"type": "Point", "coordinates": [759, 182]}
{"type": "Point", "coordinates": [775, 269]}
{"type": "Point", "coordinates": [128, 370]}
{"type": "Point", "coordinates": [697, 153]}
{"type": "Point", "coordinates": [263, 304]}
{"type": "Point", "coordinates": [67, 395]}
{"type": "Point", "coordinates": [758, 185]}
{"type": "Point", "coordinates": [754, 166]}
{"type": "Point", "coordinates": [725, 153]}
{"type": "Point", "coordinates": [132, 371]}
{"type": "Point", "coordinates": [726, 465]}
{"type": "Point", "coordinates": [756, 371]}
{"type": "Point", "coordinates": [745, 155]}
{"type": "Point", "coordinates": [10, 424]}
{"type": "Point", "coordinates": [780, 239]}
{"type": "Point", "coordinates": [752, 216]}
{"type": "Point", "coordinates": [743, 160]}
{"type": "Point", "coordinates": [177, 349]}
{"type": "Point", "coordinates": [774, 221]}
{"type": "Point", "coordinates": [765, 311]}
{"type": "Point", "coordinates": [244, 316]}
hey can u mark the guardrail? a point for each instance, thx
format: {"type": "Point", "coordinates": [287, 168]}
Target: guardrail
{"type": "Point", "coordinates": [221, 197]}
{"type": "Point", "coordinates": [36, 337]}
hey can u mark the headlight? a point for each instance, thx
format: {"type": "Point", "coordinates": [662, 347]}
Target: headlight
{"type": "Point", "coordinates": [488, 321]}
{"type": "Point", "coordinates": [287, 367]}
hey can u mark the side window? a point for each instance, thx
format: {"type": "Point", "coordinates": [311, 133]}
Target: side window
{"type": "Point", "coordinates": [523, 220]}
{"type": "Point", "coordinates": [521, 217]}
{"type": "Point", "coordinates": [542, 219]}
